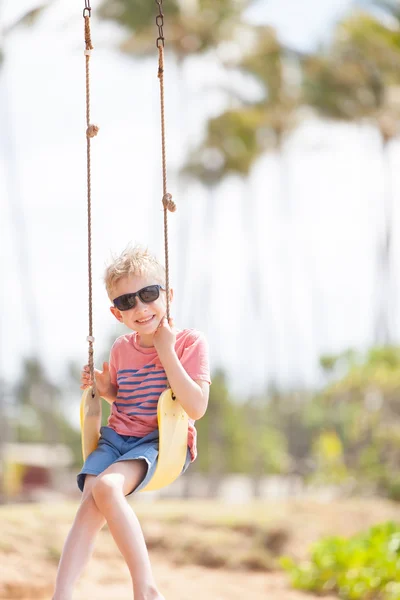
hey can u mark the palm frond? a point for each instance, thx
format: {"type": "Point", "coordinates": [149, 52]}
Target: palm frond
{"type": "Point", "coordinates": [28, 18]}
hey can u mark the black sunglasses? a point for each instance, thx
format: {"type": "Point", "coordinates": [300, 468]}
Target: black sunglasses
{"type": "Point", "coordinates": [150, 293]}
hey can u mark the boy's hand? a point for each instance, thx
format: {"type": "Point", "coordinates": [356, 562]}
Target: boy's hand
{"type": "Point", "coordinates": [164, 337]}
{"type": "Point", "coordinates": [103, 380]}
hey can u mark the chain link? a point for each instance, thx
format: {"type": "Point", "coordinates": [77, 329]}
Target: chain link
{"type": "Point", "coordinates": [160, 24]}
{"type": "Point", "coordinates": [87, 11]}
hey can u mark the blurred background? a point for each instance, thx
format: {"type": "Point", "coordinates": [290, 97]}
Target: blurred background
{"type": "Point", "coordinates": [282, 124]}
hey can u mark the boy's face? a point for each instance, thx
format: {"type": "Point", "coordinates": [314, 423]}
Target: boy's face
{"type": "Point", "coordinates": [143, 317]}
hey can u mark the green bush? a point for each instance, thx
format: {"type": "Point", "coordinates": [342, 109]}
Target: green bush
{"type": "Point", "coordinates": [393, 488]}
{"type": "Point", "coordinates": [364, 567]}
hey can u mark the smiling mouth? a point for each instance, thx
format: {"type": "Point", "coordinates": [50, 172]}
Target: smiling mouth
{"type": "Point", "coordinates": [143, 321]}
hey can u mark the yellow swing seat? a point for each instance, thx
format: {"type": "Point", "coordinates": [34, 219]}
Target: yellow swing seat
{"type": "Point", "coordinates": [172, 419]}
{"type": "Point", "coordinates": [90, 417]}
{"type": "Point", "coordinates": [173, 433]}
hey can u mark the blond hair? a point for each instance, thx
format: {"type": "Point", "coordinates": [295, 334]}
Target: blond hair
{"type": "Point", "coordinates": [136, 261]}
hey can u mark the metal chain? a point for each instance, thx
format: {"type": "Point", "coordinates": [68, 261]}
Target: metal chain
{"type": "Point", "coordinates": [87, 11]}
{"type": "Point", "coordinates": [167, 201]}
{"type": "Point", "coordinates": [91, 131]}
{"type": "Point", "coordinates": [160, 24]}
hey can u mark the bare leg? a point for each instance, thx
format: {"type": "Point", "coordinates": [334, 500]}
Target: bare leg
{"type": "Point", "coordinates": [109, 493]}
{"type": "Point", "coordinates": [79, 544]}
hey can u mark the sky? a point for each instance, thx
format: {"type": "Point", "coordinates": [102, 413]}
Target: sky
{"type": "Point", "coordinates": [317, 267]}
{"type": "Point", "coordinates": [301, 25]}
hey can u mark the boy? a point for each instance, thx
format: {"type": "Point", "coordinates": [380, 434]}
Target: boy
{"type": "Point", "coordinates": [140, 365]}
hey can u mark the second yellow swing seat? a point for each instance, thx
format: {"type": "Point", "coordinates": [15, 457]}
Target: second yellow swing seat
{"type": "Point", "coordinates": [173, 434]}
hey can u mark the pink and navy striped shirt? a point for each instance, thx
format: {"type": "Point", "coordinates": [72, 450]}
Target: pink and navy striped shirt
{"type": "Point", "coordinates": [140, 378]}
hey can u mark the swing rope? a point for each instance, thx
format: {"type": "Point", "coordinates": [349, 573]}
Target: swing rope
{"type": "Point", "coordinates": [91, 131]}
{"type": "Point", "coordinates": [168, 203]}
{"type": "Point", "coordinates": [172, 419]}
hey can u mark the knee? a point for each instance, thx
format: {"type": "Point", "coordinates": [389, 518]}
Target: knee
{"type": "Point", "coordinates": [105, 490]}
{"type": "Point", "coordinates": [88, 509]}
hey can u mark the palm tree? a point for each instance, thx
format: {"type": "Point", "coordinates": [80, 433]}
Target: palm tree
{"type": "Point", "coordinates": [38, 405]}
{"type": "Point", "coordinates": [28, 18]}
{"type": "Point", "coordinates": [231, 148]}
{"type": "Point", "coordinates": [244, 133]}
{"type": "Point", "coordinates": [192, 28]}
{"type": "Point", "coordinates": [236, 139]}
{"type": "Point", "coordinates": [355, 80]}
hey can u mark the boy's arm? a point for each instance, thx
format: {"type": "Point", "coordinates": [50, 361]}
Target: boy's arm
{"type": "Point", "coordinates": [193, 395]}
{"type": "Point", "coordinates": [111, 395]}
{"type": "Point", "coordinates": [105, 387]}
{"type": "Point", "coordinates": [110, 378]}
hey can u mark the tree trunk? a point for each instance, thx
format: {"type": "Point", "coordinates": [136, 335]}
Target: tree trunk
{"type": "Point", "coordinates": [182, 199]}
{"type": "Point", "coordinates": [203, 286]}
{"type": "Point", "coordinates": [258, 278]}
{"type": "Point", "coordinates": [385, 292]}
{"type": "Point", "coordinates": [3, 439]}
{"type": "Point", "coordinates": [286, 268]}
{"type": "Point", "coordinates": [18, 218]}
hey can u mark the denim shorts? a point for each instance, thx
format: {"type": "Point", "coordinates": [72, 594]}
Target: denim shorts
{"type": "Point", "coordinates": [114, 447]}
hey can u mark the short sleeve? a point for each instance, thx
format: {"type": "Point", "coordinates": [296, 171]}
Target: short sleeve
{"type": "Point", "coordinates": [195, 357]}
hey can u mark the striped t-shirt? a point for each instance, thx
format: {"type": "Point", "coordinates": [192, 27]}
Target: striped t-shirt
{"type": "Point", "coordinates": [140, 378]}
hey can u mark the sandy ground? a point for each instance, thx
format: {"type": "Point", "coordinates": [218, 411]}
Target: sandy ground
{"type": "Point", "coordinates": [31, 538]}
{"type": "Point", "coordinates": [112, 582]}
{"type": "Point", "coordinates": [196, 583]}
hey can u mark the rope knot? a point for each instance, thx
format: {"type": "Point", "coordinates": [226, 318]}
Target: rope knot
{"type": "Point", "coordinates": [168, 203]}
{"type": "Point", "coordinates": [92, 131]}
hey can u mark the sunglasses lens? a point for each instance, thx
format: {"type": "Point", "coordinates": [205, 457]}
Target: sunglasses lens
{"type": "Point", "coordinates": [149, 293]}
{"type": "Point", "coordinates": [125, 302]}
{"type": "Point", "coordinates": [128, 301]}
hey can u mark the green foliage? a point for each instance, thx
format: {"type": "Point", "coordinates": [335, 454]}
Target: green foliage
{"type": "Point", "coordinates": [377, 369]}
{"type": "Point", "coordinates": [356, 78]}
{"type": "Point", "coordinates": [238, 437]}
{"type": "Point", "coordinates": [189, 29]}
{"type": "Point", "coordinates": [375, 41]}
{"type": "Point", "coordinates": [328, 455]}
{"type": "Point", "coordinates": [366, 566]}
{"type": "Point", "coordinates": [30, 17]}
{"type": "Point", "coordinates": [362, 402]}
{"type": "Point", "coordinates": [38, 417]}
{"type": "Point", "coordinates": [267, 445]}
{"type": "Point", "coordinates": [218, 431]}
{"type": "Point", "coordinates": [238, 137]}
{"type": "Point", "coordinates": [38, 413]}
{"type": "Point", "coordinates": [231, 147]}
{"type": "Point", "coordinates": [341, 87]}
{"type": "Point", "coordinates": [266, 63]}
{"type": "Point", "coordinates": [138, 15]}
{"type": "Point", "coordinates": [327, 362]}
{"type": "Point", "coordinates": [349, 431]}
